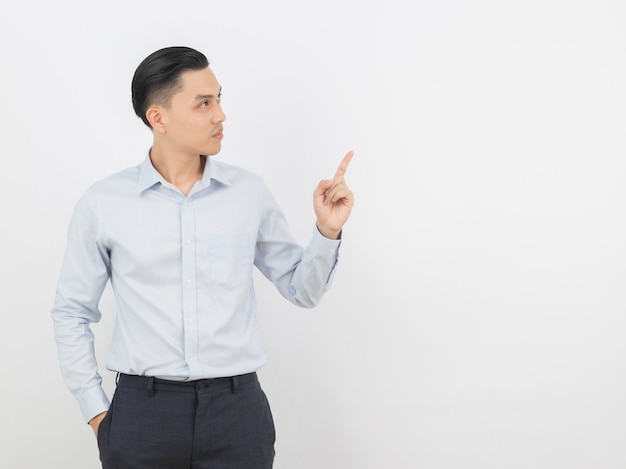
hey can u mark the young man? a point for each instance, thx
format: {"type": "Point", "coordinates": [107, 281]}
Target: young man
{"type": "Point", "coordinates": [178, 236]}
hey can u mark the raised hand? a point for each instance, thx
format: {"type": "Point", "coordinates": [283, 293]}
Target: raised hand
{"type": "Point", "coordinates": [333, 201]}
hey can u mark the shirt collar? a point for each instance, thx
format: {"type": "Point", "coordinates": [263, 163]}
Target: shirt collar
{"type": "Point", "coordinates": [214, 170]}
{"type": "Point", "coordinates": [148, 176]}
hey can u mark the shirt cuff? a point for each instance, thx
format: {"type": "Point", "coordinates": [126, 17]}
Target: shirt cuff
{"type": "Point", "coordinates": [323, 246]}
{"type": "Point", "coordinates": [93, 402]}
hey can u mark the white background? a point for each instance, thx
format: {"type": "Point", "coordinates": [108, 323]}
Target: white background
{"type": "Point", "coordinates": [478, 316]}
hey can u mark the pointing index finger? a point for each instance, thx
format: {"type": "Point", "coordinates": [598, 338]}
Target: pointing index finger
{"type": "Point", "coordinates": [343, 166]}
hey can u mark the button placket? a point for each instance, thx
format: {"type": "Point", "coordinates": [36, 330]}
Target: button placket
{"type": "Point", "coordinates": [188, 267]}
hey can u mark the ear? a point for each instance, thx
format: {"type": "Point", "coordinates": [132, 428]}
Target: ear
{"type": "Point", "coordinates": [155, 116]}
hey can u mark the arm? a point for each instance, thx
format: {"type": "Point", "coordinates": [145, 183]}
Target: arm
{"type": "Point", "coordinates": [304, 275]}
{"type": "Point", "coordinates": [84, 274]}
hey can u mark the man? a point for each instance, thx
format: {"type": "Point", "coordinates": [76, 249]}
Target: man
{"type": "Point", "coordinates": [178, 236]}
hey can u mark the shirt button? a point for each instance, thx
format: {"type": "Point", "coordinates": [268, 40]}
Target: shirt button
{"type": "Point", "coordinates": [188, 281]}
{"type": "Point", "coordinates": [187, 241]}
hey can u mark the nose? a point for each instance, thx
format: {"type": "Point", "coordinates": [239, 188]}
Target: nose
{"type": "Point", "coordinates": [219, 114]}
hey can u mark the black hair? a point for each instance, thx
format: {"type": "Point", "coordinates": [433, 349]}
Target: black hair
{"type": "Point", "coordinates": [158, 76]}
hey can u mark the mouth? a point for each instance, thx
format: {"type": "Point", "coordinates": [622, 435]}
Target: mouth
{"type": "Point", "coordinates": [219, 134]}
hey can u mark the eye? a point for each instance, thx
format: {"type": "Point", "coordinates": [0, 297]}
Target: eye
{"type": "Point", "coordinates": [204, 104]}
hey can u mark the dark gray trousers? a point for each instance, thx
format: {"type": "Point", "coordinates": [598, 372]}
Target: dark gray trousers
{"type": "Point", "coordinates": [206, 424]}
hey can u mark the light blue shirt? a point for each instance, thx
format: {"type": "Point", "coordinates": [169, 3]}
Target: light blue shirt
{"type": "Point", "coordinates": [181, 271]}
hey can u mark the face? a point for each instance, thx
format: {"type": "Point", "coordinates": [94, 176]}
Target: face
{"type": "Point", "coordinates": [192, 123]}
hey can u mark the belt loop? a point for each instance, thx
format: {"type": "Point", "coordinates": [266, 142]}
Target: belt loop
{"type": "Point", "coordinates": [234, 383]}
{"type": "Point", "coordinates": [151, 386]}
{"type": "Point", "coordinates": [117, 378]}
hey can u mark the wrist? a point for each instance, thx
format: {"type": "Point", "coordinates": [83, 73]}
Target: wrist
{"type": "Point", "coordinates": [329, 232]}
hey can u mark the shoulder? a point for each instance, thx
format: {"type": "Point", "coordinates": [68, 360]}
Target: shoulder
{"type": "Point", "coordinates": [120, 184]}
{"type": "Point", "coordinates": [122, 179]}
{"type": "Point", "coordinates": [236, 175]}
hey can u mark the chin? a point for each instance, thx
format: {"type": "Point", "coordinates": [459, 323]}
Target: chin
{"type": "Point", "coordinates": [212, 150]}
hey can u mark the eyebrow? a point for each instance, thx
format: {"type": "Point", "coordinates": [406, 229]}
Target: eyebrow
{"type": "Point", "coordinates": [207, 96]}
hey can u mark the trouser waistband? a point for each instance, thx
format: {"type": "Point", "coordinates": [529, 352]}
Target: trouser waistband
{"type": "Point", "coordinates": [152, 384]}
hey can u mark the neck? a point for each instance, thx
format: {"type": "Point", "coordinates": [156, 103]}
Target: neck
{"type": "Point", "coordinates": [181, 170]}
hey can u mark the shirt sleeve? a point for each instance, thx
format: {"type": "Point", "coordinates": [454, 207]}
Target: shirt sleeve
{"type": "Point", "coordinates": [84, 275]}
{"type": "Point", "coordinates": [300, 275]}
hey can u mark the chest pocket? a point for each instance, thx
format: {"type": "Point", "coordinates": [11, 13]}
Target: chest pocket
{"type": "Point", "coordinates": [231, 258]}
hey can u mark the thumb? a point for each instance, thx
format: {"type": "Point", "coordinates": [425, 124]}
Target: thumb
{"type": "Point", "coordinates": [323, 185]}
